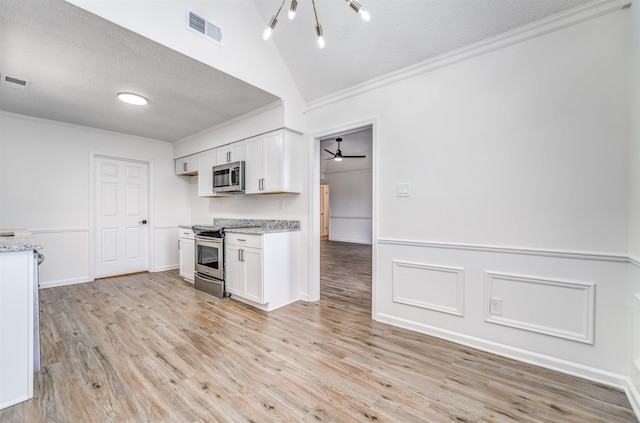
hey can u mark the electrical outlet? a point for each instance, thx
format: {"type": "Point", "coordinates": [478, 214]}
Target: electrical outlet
{"type": "Point", "coordinates": [495, 306]}
{"type": "Point", "coordinates": [403, 189]}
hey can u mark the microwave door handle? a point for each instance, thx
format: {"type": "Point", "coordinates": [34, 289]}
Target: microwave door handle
{"type": "Point", "coordinates": [235, 173]}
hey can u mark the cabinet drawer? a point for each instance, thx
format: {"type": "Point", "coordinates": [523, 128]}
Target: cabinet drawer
{"type": "Point", "coordinates": [185, 233]}
{"type": "Point", "coordinates": [244, 240]}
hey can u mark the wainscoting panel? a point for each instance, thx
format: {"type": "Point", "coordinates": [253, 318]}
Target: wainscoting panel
{"type": "Point", "coordinates": [350, 229]}
{"type": "Point", "coordinates": [66, 252]}
{"type": "Point", "coordinates": [564, 309]}
{"type": "Point", "coordinates": [165, 248]}
{"type": "Point", "coordinates": [432, 287]}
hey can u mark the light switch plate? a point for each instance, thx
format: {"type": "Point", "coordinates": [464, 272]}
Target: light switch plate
{"type": "Point", "coordinates": [403, 189]}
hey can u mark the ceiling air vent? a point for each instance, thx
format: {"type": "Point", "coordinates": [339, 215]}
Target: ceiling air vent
{"type": "Point", "coordinates": [13, 82]}
{"type": "Point", "coordinates": [204, 27]}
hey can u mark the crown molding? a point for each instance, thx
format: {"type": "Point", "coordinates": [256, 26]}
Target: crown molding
{"type": "Point", "coordinates": [553, 23]}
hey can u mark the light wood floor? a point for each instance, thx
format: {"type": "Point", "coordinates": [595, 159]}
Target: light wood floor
{"type": "Point", "coordinates": [150, 348]}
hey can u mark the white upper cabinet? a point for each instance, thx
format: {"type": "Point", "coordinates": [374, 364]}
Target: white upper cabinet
{"type": "Point", "coordinates": [272, 163]}
{"type": "Point", "coordinates": [231, 153]}
{"type": "Point", "coordinates": [206, 159]}
{"type": "Point", "coordinates": [187, 165]}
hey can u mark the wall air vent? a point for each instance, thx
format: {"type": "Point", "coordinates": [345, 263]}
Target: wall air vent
{"type": "Point", "coordinates": [13, 82]}
{"type": "Point", "coordinates": [203, 27]}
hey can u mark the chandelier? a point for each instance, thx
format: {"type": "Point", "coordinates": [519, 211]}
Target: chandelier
{"type": "Point", "coordinates": [266, 35]}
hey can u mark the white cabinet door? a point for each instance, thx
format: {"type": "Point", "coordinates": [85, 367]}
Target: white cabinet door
{"type": "Point", "coordinates": [187, 259]}
{"type": "Point", "coordinates": [253, 286]}
{"type": "Point", "coordinates": [273, 162]}
{"type": "Point", "coordinates": [253, 166]}
{"type": "Point", "coordinates": [187, 165]}
{"type": "Point", "coordinates": [206, 161]}
{"type": "Point", "coordinates": [231, 153]}
{"type": "Point", "coordinates": [186, 246]}
{"type": "Point", "coordinates": [234, 272]}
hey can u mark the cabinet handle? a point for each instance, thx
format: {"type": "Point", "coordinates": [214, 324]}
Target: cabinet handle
{"type": "Point", "coordinates": [228, 156]}
{"type": "Point", "coordinates": [178, 244]}
{"type": "Point", "coordinates": [184, 166]}
{"type": "Point", "coordinates": [242, 255]}
{"type": "Point", "coordinates": [243, 240]}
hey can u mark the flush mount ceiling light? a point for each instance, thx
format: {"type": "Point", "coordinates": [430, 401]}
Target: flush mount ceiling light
{"type": "Point", "coordinates": [131, 98]}
{"type": "Point", "coordinates": [357, 7]}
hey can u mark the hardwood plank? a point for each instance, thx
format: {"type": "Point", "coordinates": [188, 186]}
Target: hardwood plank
{"type": "Point", "coordinates": [151, 348]}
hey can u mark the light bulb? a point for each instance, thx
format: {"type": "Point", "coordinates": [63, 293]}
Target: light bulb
{"type": "Point", "coordinates": [364, 15]}
{"type": "Point", "coordinates": [338, 159]}
{"type": "Point", "coordinates": [320, 36]}
{"type": "Point", "coordinates": [269, 30]}
{"type": "Point", "coordinates": [292, 9]}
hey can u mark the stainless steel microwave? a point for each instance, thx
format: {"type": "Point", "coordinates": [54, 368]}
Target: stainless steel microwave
{"type": "Point", "coordinates": [229, 177]}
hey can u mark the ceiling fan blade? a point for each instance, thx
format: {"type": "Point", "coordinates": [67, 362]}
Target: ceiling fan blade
{"type": "Point", "coordinates": [353, 157]}
{"type": "Point", "coordinates": [329, 152]}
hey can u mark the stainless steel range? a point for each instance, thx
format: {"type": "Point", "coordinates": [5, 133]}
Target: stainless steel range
{"type": "Point", "coordinates": [209, 261]}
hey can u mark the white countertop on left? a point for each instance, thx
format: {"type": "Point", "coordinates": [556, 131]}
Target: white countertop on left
{"type": "Point", "coordinates": [12, 240]}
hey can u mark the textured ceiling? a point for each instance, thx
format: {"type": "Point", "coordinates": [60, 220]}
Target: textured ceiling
{"type": "Point", "coordinates": [401, 33]}
{"type": "Point", "coordinates": [77, 62]}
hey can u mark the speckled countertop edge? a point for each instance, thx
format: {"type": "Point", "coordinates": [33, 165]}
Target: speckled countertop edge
{"type": "Point", "coordinates": [251, 226]}
{"type": "Point", "coordinates": [21, 241]}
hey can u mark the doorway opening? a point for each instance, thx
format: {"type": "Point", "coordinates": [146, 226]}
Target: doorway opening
{"type": "Point", "coordinates": [345, 200]}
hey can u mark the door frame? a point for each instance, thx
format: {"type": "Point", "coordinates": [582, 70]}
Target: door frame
{"type": "Point", "coordinates": [92, 251]}
{"type": "Point", "coordinates": [313, 290]}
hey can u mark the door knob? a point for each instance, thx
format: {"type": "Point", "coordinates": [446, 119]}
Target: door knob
{"type": "Point", "coordinates": [144, 222]}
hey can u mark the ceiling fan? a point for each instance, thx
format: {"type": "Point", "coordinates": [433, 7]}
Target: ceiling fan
{"type": "Point", "coordinates": [337, 156]}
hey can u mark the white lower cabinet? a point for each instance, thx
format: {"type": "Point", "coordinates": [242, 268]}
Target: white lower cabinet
{"type": "Point", "coordinates": [262, 270]}
{"type": "Point", "coordinates": [16, 327]}
{"type": "Point", "coordinates": [186, 247]}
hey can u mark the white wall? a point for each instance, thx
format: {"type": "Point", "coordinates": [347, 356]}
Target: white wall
{"type": "Point", "coordinates": [44, 187]}
{"type": "Point", "coordinates": [518, 164]}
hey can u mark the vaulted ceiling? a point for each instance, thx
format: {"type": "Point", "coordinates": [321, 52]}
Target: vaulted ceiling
{"type": "Point", "coordinates": [76, 61]}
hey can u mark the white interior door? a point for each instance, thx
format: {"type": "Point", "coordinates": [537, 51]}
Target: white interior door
{"type": "Point", "coordinates": [121, 213]}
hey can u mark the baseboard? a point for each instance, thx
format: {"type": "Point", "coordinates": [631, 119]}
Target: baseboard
{"type": "Point", "coordinates": [164, 268]}
{"type": "Point", "coordinates": [63, 282]}
{"type": "Point", "coordinates": [633, 396]}
{"type": "Point", "coordinates": [351, 241]}
{"type": "Point", "coordinates": [547, 362]}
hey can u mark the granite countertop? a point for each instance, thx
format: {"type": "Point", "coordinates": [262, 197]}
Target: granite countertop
{"type": "Point", "coordinates": [261, 230]}
{"type": "Point", "coordinates": [251, 226]}
{"type": "Point", "coordinates": [12, 240]}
